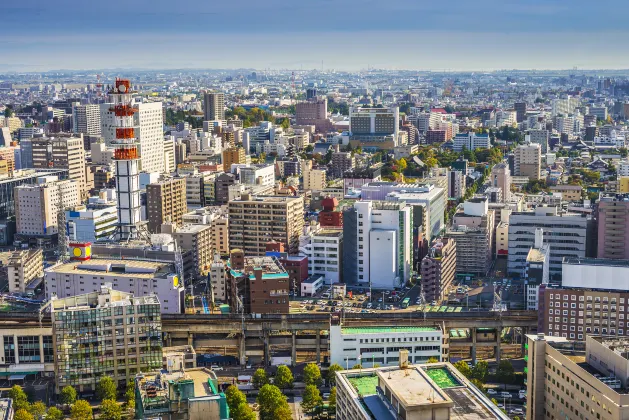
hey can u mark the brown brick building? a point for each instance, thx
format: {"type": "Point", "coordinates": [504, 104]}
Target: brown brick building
{"type": "Point", "coordinates": [165, 202]}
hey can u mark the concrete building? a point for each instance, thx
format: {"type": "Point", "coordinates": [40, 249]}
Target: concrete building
{"type": "Point", "coordinates": [256, 220]}
{"type": "Point", "coordinates": [312, 285]}
{"type": "Point", "coordinates": [471, 141]}
{"type": "Point", "coordinates": [536, 270]}
{"type": "Point", "coordinates": [568, 192]}
{"type": "Point", "coordinates": [165, 202]}
{"type": "Point", "coordinates": [23, 267]}
{"type": "Point", "coordinates": [345, 161]}
{"type": "Point", "coordinates": [565, 106]}
{"type": "Point", "coordinates": [501, 178]}
{"type": "Point", "coordinates": [86, 119]}
{"type": "Point", "coordinates": [197, 185]}
{"type": "Point", "coordinates": [122, 333]}
{"type": "Point", "coordinates": [324, 250]}
{"type": "Point", "coordinates": [538, 136]}
{"type": "Point", "coordinates": [221, 291]}
{"type": "Point", "coordinates": [612, 214]}
{"type": "Point", "coordinates": [377, 244]}
{"type": "Point", "coordinates": [221, 188]}
{"type": "Point", "coordinates": [137, 277]}
{"type": "Point", "coordinates": [260, 174]}
{"type": "Point", "coordinates": [570, 380]}
{"type": "Point", "coordinates": [456, 184]}
{"type": "Point", "coordinates": [412, 392]}
{"type": "Point", "coordinates": [89, 224]}
{"type": "Point", "coordinates": [23, 177]}
{"type": "Point", "coordinates": [528, 161]}
{"type": "Point", "coordinates": [314, 179]}
{"type": "Point", "coordinates": [198, 239]}
{"type": "Point", "coordinates": [369, 346]}
{"type": "Point", "coordinates": [62, 153]}
{"type": "Point", "coordinates": [374, 128]}
{"type": "Point", "coordinates": [213, 106]}
{"type": "Point", "coordinates": [233, 155]}
{"type": "Point", "coordinates": [438, 269]}
{"type": "Point", "coordinates": [502, 238]}
{"type": "Point", "coordinates": [260, 283]}
{"type": "Point", "coordinates": [565, 233]}
{"type": "Point", "coordinates": [313, 112]}
{"type": "Point", "coordinates": [520, 111]}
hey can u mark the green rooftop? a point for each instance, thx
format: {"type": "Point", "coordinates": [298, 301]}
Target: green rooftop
{"type": "Point", "coordinates": [385, 330]}
{"type": "Point", "coordinates": [364, 385]}
{"type": "Point", "coordinates": [442, 377]}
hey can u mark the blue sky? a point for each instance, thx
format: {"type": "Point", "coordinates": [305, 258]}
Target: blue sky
{"type": "Point", "coordinates": [345, 34]}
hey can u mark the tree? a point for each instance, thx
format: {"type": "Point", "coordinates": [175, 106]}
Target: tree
{"type": "Point", "coordinates": [8, 111]}
{"type": "Point", "coordinates": [283, 377]}
{"type": "Point", "coordinates": [478, 384]}
{"type": "Point", "coordinates": [54, 414]}
{"type": "Point", "coordinates": [243, 412]}
{"type": "Point", "coordinates": [282, 412]}
{"type": "Point", "coordinates": [81, 410]}
{"type": "Point", "coordinates": [129, 395]}
{"type": "Point", "coordinates": [480, 371]}
{"type": "Point", "coordinates": [67, 395]}
{"type": "Point", "coordinates": [312, 375]}
{"type": "Point", "coordinates": [259, 378]}
{"type": "Point", "coordinates": [402, 165]}
{"type": "Point", "coordinates": [106, 389]}
{"type": "Point", "coordinates": [332, 399]}
{"type": "Point", "coordinates": [37, 409]}
{"type": "Point", "coordinates": [505, 372]}
{"type": "Point", "coordinates": [311, 398]}
{"type": "Point", "coordinates": [433, 360]}
{"type": "Point", "coordinates": [332, 373]}
{"type": "Point", "coordinates": [234, 397]}
{"type": "Point", "coordinates": [110, 410]}
{"type": "Point", "coordinates": [19, 397]}
{"type": "Point", "coordinates": [462, 367]}
{"type": "Point", "coordinates": [270, 398]}
{"type": "Point", "coordinates": [358, 366]}
{"type": "Point", "coordinates": [23, 414]}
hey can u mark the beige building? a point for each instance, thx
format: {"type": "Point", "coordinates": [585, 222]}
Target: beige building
{"type": "Point", "coordinates": [220, 235]}
{"type": "Point", "coordinates": [256, 220]}
{"type": "Point", "coordinates": [502, 238]}
{"type": "Point", "coordinates": [13, 123]}
{"type": "Point", "coordinates": [23, 267]}
{"type": "Point", "coordinates": [573, 380]}
{"type": "Point", "coordinates": [197, 238]}
{"type": "Point", "coordinates": [528, 160]}
{"type": "Point", "coordinates": [62, 153]}
{"type": "Point", "coordinates": [568, 192]}
{"type": "Point", "coordinates": [165, 202]}
{"type": "Point", "coordinates": [314, 179]}
{"type": "Point", "coordinates": [37, 206]}
{"type": "Point", "coordinates": [233, 155]}
{"type": "Point", "coordinates": [218, 280]}
{"type": "Point", "coordinates": [501, 178]}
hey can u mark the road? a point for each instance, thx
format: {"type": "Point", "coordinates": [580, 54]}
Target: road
{"type": "Point", "coordinates": [295, 407]}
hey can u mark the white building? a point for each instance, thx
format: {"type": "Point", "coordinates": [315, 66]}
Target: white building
{"type": "Point", "coordinates": [471, 141]}
{"type": "Point", "coordinates": [325, 254]}
{"type": "Point", "coordinates": [312, 285]}
{"type": "Point", "coordinates": [218, 280]}
{"type": "Point", "coordinates": [381, 345]}
{"type": "Point", "coordinates": [86, 119]}
{"type": "Point", "coordinates": [91, 225]}
{"type": "Point", "coordinates": [565, 106]}
{"type": "Point", "coordinates": [256, 174]}
{"type": "Point", "coordinates": [539, 137]}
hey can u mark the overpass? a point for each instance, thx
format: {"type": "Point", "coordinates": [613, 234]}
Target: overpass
{"type": "Point", "coordinates": [305, 336]}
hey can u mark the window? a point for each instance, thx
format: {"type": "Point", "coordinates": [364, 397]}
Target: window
{"type": "Point", "coordinates": [28, 349]}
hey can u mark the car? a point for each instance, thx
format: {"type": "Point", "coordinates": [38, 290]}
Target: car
{"type": "Point", "coordinates": [505, 395]}
{"type": "Point", "coordinates": [516, 411]}
{"type": "Point", "coordinates": [369, 305]}
{"type": "Point", "coordinates": [491, 391]}
{"type": "Point", "coordinates": [326, 396]}
{"type": "Point", "coordinates": [248, 366]}
{"type": "Point", "coordinates": [216, 368]}
{"type": "Point", "coordinates": [433, 303]}
{"type": "Point", "coordinates": [522, 394]}
{"type": "Point", "coordinates": [380, 300]}
{"type": "Point", "coordinates": [500, 406]}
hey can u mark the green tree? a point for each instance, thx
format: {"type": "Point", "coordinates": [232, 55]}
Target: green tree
{"type": "Point", "coordinates": [331, 376]}
{"type": "Point", "coordinates": [19, 397]}
{"type": "Point", "coordinates": [54, 414]}
{"type": "Point", "coordinates": [311, 398]}
{"type": "Point", "coordinates": [357, 366]}
{"type": "Point", "coordinates": [81, 410]}
{"type": "Point", "coordinates": [312, 375]}
{"type": "Point", "coordinates": [259, 378]}
{"type": "Point", "coordinates": [8, 111]}
{"type": "Point", "coordinates": [270, 398]}
{"type": "Point", "coordinates": [234, 397]}
{"type": "Point", "coordinates": [478, 384]}
{"type": "Point", "coordinates": [462, 367]}
{"type": "Point", "coordinates": [38, 409]}
{"type": "Point", "coordinates": [332, 399]}
{"type": "Point", "coordinates": [243, 412]}
{"type": "Point", "coordinates": [67, 395]}
{"type": "Point", "coordinates": [480, 371]}
{"type": "Point", "coordinates": [283, 377]}
{"type": "Point", "coordinates": [106, 389]}
{"type": "Point", "coordinates": [23, 414]}
{"type": "Point", "coordinates": [129, 395]}
{"type": "Point", "coordinates": [505, 372]}
{"type": "Point", "coordinates": [110, 410]}
{"type": "Point", "coordinates": [433, 360]}
{"type": "Point", "coordinates": [402, 165]}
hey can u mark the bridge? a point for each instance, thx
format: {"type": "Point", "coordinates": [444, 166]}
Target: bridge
{"type": "Point", "coordinates": [305, 336]}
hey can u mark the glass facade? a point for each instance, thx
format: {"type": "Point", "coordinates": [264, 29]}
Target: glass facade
{"type": "Point", "coordinates": [9, 349]}
{"type": "Point", "coordinates": [28, 349]}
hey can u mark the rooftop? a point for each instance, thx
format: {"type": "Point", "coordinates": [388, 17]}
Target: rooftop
{"type": "Point", "coordinates": [386, 330]}
{"type": "Point", "coordinates": [120, 268]}
{"type": "Point", "coordinates": [537, 255]}
{"type": "Point", "coordinates": [596, 261]}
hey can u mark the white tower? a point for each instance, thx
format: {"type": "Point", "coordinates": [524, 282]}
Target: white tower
{"type": "Point", "coordinates": [127, 158]}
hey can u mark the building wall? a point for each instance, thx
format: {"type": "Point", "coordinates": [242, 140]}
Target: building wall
{"type": "Point", "coordinates": [166, 202]}
{"type": "Point", "coordinates": [613, 228]}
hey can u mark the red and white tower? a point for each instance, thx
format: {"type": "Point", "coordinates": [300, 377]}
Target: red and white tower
{"type": "Point", "coordinates": [127, 160]}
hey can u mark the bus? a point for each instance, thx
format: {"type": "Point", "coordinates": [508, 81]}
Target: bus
{"type": "Point", "coordinates": [405, 303]}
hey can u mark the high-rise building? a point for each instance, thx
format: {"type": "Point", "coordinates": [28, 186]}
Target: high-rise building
{"type": "Point", "coordinates": [214, 106]}
{"type": "Point", "coordinates": [520, 110]}
{"type": "Point", "coordinates": [221, 187]}
{"type": "Point", "coordinates": [456, 184]}
{"type": "Point", "coordinates": [90, 224]}
{"type": "Point", "coordinates": [528, 160]}
{"type": "Point", "coordinates": [197, 238]}
{"type": "Point", "coordinates": [344, 161]}
{"type": "Point", "coordinates": [324, 250]}
{"type": "Point", "coordinates": [256, 220]}
{"type": "Point", "coordinates": [314, 179]}
{"type": "Point", "coordinates": [314, 111]}
{"type": "Point", "coordinates": [565, 106]}
{"type": "Point", "coordinates": [23, 267]}
{"type": "Point", "coordinates": [233, 155]}
{"type": "Point", "coordinates": [374, 128]}
{"type": "Point", "coordinates": [165, 202]}
{"type": "Point", "coordinates": [86, 119]}
{"type": "Point", "coordinates": [501, 178]}
{"type": "Point", "coordinates": [438, 269]}
{"type": "Point", "coordinates": [121, 333]}
{"type": "Point", "coordinates": [62, 152]}
{"type": "Point", "coordinates": [540, 137]}
{"type": "Point", "coordinates": [536, 271]}
{"type": "Point", "coordinates": [612, 214]}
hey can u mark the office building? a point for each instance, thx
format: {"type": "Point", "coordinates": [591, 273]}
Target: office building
{"type": "Point", "coordinates": [377, 244]}
{"type": "Point", "coordinates": [528, 161]}
{"type": "Point", "coordinates": [200, 189]}
{"type": "Point", "coordinates": [165, 202]}
{"type": "Point", "coordinates": [314, 179]}
{"type": "Point", "coordinates": [198, 239]}
{"type": "Point", "coordinates": [260, 283]}
{"type": "Point", "coordinates": [600, 112]}
{"type": "Point", "coordinates": [324, 249]}
{"type": "Point", "coordinates": [233, 155]}
{"type": "Point", "coordinates": [37, 207]}
{"type": "Point", "coordinates": [138, 277]}
{"type": "Point", "coordinates": [22, 177]}
{"type": "Point", "coordinates": [221, 291]}
{"type": "Point", "coordinates": [471, 141]}
{"type": "Point", "coordinates": [541, 137]}
{"type": "Point", "coordinates": [260, 174]}
{"type": "Point", "coordinates": [120, 333]}
{"type": "Point", "coordinates": [536, 271]}
{"type": "Point", "coordinates": [565, 233]}
{"type": "Point", "coordinates": [345, 161]}
{"type": "Point", "coordinates": [381, 345]}
{"type": "Point", "coordinates": [86, 119]}
{"type": "Point", "coordinates": [612, 214]}
{"type": "Point", "coordinates": [256, 220]}
{"type": "Point", "coordinates": [374, 128]}
{"type": "Point", "coordinates": [23, 267]}
{"type": "Point", "coordinates": [438, 269]}
{"type": "Point", "coordinates": [179, 393]}
{"type": "Point", "coordinates": [412, 392]}
{"type": "Point", "coordinates": [456, 184]}
{"type": "Point", "coordinates": [314, 111]}
{"type": "Point", "coordinates": [568, 192]}
{"type": "Point", "coordinates": [90, 224]}
{"type": "Point", "coordinates": [221, 187]}
{"type": "Point", "coordinates": [213, 106]}
{"type": "Point", "coordinates": [575, 380]}
{"type": "Point", "coordinates": [500, 177]}
{"type": "Point", "coordinates": [520, 111]}
{"type": "Point", "coordinates": [61, 153]}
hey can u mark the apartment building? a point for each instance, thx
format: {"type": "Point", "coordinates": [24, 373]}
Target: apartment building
{"type": "Point", "coordinates": [539, 136]}
{"type": "Point", "coordinates": [324, 250]}
{"type": "Point", "coordinates": [86, 119]}
{"type": "Point", "coordinates": [576, 380]}
{"type": "Point", "coordinates": [233, 155]}
{"type": "Point", "coordinates": [568, 192]}
{"type": "Point", "coordinates": [345, 161]}
{"type": "Point", "coordinates": [314, 179]}
{"type": "Point", "coordinates": [313, 112]}
{"type": "Point", "coordinates": [612, 214]}
{"type": "Point", "coordinates": [438, 269]}
{"type": "Point", "coordinates": [120, 332]}
{"type": "Point", "coordinates": [257, 174]}
{"type": "Point", "coordinates": [23, 267]}
{"type": "Point", "coordinates": [456, 184]}
{"type": "Point", "coordinates": [197, 238]}
{"type": "Point", "coordinates": [213, 106]}
{"type": "Point", "coordinates": [471, 141]}
{"type": "Point", "coordinates": [165, 202]}
{"type": "Point", "coordinates": [528, 161]}
{"type": "Point", "coordinates": [256, 220]}
{"type": "Point", "coordinates": [221, 290]}
{"type": "Point", "coordinates": [200, 189]}
{"type": "Point", "coordinates": [62, 153]}
{"type": "Point", "coordinates": [500, 177]}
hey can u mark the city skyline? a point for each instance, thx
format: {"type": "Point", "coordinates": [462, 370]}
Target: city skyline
{"type": "Point", "coordinates": [484, 35]}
